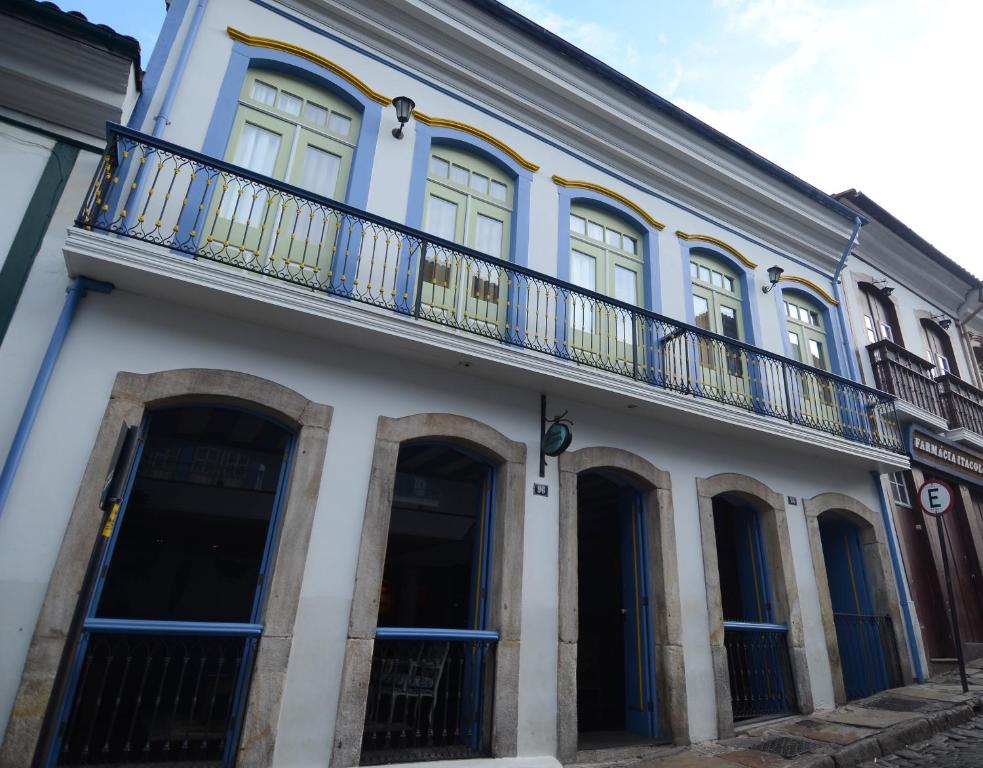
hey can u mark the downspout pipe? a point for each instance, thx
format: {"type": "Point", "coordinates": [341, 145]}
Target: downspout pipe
{"type": "Point", "coordinates": [75, 292]}
{"type": "Point", "coordinates": [851, 362]}
{"type": "Point", "coordinates": [899, 576]}
{"type": "Point", "coordinates": [162, 120]}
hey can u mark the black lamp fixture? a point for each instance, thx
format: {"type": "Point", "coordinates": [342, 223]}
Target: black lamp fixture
{"type": "Point", "coordinates": [404, 108]}
{"type": "Point", "coordinates": [943, 321]}
{"type": "Point", "coordinates": [774, 275]}
{"type": "Point", "coordinates": [885, 290]}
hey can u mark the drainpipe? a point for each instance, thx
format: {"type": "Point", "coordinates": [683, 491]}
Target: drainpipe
{"type": "Point", "coordinates": [163, 117]}
{"type": "Point", "coordinates": [899, 576]}
{"type": "Point", "coordinates": [75, 292]}
{"type": "Point", "coordinates": [840, 309]}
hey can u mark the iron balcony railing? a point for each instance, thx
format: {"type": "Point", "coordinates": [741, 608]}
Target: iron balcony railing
{"type": "Point", "coordinates": [761, 682]}
{"type": "Point", "coordinates": [151, 692]}
{"type": "Point", "coordinates": [868, 654]}
{"type": "Point", "coordinates": [205, 208]}
{"type": "Point", "coordinates": [430, 695]}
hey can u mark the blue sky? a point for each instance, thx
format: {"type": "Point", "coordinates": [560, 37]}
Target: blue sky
{"type": "Point", "coordinates": [881, 95]}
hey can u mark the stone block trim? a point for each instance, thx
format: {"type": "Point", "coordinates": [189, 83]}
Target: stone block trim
{"type": "Point", "coordinates": [133, 395]}
{"type": "Point", "coordinates": [509, 459]}
{"type": "Point", "coordinates": [778, 547]}
{"type": "Point", "coordinates": [663, 588]}
{"type": "Point", "coordinates": [883, 584]}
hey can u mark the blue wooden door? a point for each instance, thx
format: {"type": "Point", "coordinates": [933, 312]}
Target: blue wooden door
{"type": "Point", "coordinates": [858, 630]}
{"type": "Point", "coordinates": [751, 567]}
{"type": "Point", "coordinates": [641, 716]}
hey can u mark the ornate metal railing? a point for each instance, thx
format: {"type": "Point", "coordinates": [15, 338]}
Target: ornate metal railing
{"type": "Point", "coordinates": [962, 403]}
{"type": "Point", "coordinates": [905, 375]}
{"type": "Point", "coordinates": [761, 682]}
{"type": "Point", "coordinates": [429, 696]}
{"type": "Point", "coordinates": [205, 208]}
{"type": "Point", "coordinates": [868, 654]}
{"type": "Point", "coordinates": [154, 697]}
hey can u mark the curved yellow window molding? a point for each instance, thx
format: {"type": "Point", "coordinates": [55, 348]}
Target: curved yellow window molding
{"type": "Point", "coordinates": [296, 50]}
{"type": "Point", "coordinates": [720, 244]}
{"type": "Point", "coordinates": [443, 122]}
{"type": "Point", "coordinates": [807, 282]}
{"type": "Point", "coordinates": [613, 195]}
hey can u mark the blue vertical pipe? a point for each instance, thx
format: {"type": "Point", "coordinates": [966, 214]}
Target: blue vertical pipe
{"type": "Point", "coordinates": [75, 292]}
{"type": "Point", "coordinates": [858, 222]}
{"type": "Point", "coordinates": [162, 118]}
{"type": "Point", "coordinates": [899, 575]}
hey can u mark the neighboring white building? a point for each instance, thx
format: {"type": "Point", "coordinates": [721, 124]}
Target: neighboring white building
{"type": "Point", "coordinates": [298, 515]}
{"type": "Point", "coordinates": [918, 314]}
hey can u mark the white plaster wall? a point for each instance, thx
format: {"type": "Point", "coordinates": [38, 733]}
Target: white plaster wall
{"type": "Point", "coordinates": [124, 331]}
{"type": "Point", "coordinates": [23, 155]}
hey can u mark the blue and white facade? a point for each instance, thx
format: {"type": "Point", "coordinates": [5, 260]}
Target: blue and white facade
{"type": "Point", "coordinates": [383, 316]}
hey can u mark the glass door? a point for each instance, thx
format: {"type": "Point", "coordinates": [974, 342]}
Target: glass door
{"type": "Point", "coordinates": [718, 307]}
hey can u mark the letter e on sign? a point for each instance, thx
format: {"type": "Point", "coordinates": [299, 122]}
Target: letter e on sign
{"type": "Point", "coordinates": [935, 497]}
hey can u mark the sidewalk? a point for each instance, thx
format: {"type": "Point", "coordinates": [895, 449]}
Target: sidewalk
{"type": "Point", "coordinates": [844, 737]}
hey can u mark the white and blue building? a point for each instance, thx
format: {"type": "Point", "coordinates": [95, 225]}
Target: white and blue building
{"type": "Point", "coordinates": [281, 499]}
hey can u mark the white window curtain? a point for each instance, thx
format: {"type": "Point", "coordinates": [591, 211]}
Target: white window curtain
{"type": "Point", "coordinates": [583, 272]}
{"type": "Point", "coordinates": [625, 289]}
{"type": "Point", "coordinates": [257, 151]}
{"type": "Point", "coordinates": [488, 236]}
{"type": "Point", "coordinates": [320, 172]}
{"type": "Point", "coordinates": [441, 218]}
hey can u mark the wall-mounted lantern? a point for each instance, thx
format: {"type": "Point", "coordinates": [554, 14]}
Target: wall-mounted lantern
{"type": "Point", "coordinates": [774, 275]}
{"type": "Point", "coordinates": [885, 289]}
{"type": "Point", "coordinates": [404, 109]}
{"type": "Point", "coordinates": [943, 321]}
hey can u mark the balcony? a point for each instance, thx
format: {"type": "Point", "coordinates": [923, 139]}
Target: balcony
{"type": "Point", "coordinates": [909, 378]}
{"type": "Point", "coordinates": [944, 403]}
{"type": "Point", "coordinates": [195, 211]}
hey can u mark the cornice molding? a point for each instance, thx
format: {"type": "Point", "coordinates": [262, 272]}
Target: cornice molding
{"type": "Point", "coordinates": [560, 181]}
{"type": "Point", "coordinates": [809, 284]}
{"type": "Point", "coordinates": [456, 125]}
{"type": "Point", "coordinates": [720, 244]}
{"type": "Point", "coordinates": [314, 58]}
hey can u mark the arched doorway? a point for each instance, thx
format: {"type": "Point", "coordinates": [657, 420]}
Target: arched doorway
{"type": "Point", "coordinates": [426, 697]}
{"type": "Point", "coordinates": [620, 678]}
{"type": "Point", "coordinates": [441, 543]}
{"type": "Point", "coordinates": [616, 690]}
{"type": "Point", "coordinates": [865, 637]}
{"type": "Point", "coordinates": [756, 636]}
{"type": "Point", "coordinates": [172, 617]}
{"type": "Point", "coordinates": [861, 614]}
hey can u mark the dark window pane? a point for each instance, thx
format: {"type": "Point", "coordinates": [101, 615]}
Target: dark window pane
{"type": "Point", "coordinates": [192, 536]}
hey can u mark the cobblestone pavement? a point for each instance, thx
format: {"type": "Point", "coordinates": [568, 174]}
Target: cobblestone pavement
{"type": "Point", "coordinates": [959, 747]}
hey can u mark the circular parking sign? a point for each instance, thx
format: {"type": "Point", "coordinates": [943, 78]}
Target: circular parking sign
{"type": "Point", "coordinates": [935, 497]}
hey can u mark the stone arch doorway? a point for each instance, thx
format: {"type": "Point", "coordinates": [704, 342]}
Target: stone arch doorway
{"type": "Point", "coordinates": [272, 609]}
{"type": "Point", "coordinates": [861, 615]}
{"type": "Point", "coordinates": [463, 450]}
{"type": "Point", "coordinates": [756, 637]}
{"type": "Point", "coordinates": [616, 509]}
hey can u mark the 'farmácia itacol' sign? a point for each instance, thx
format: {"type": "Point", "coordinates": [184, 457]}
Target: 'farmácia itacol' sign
{"type": "Point", "coordinates": [928, 450]}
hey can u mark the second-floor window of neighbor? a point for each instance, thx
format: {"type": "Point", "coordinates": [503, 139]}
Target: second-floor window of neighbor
{"type": "Point", "coordinates": [468, 202]}
{"type": "Point", "coordinates": [806, 332]}
{"type": "Point", "coordinates": [878, 319]}
{"type": "Point", "coordinates": [938, 349]}
{"type": "Point", "coordinates": [717, 304]}
{"type": "Point", "coordinates": [606, 257]}
{"type": "Point", "coordinates": [294, 132]}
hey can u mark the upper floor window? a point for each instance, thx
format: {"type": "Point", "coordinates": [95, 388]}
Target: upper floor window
{"type": "Point", "coordinates": [880, 318]}
{"type": "Point", "coordinates": [717, 299]}
{"type": "Point", "coordinates": [806, 331]}
{"type": "Point", "coordinates": [899, 488]}
{"type": "Point", "coordinates": [469, 201]}
{"type": "Point", "coordinates": [939, 352]}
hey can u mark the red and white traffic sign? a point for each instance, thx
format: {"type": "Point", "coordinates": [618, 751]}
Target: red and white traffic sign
{"type": "Point", "coordinates": [936, 497]}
